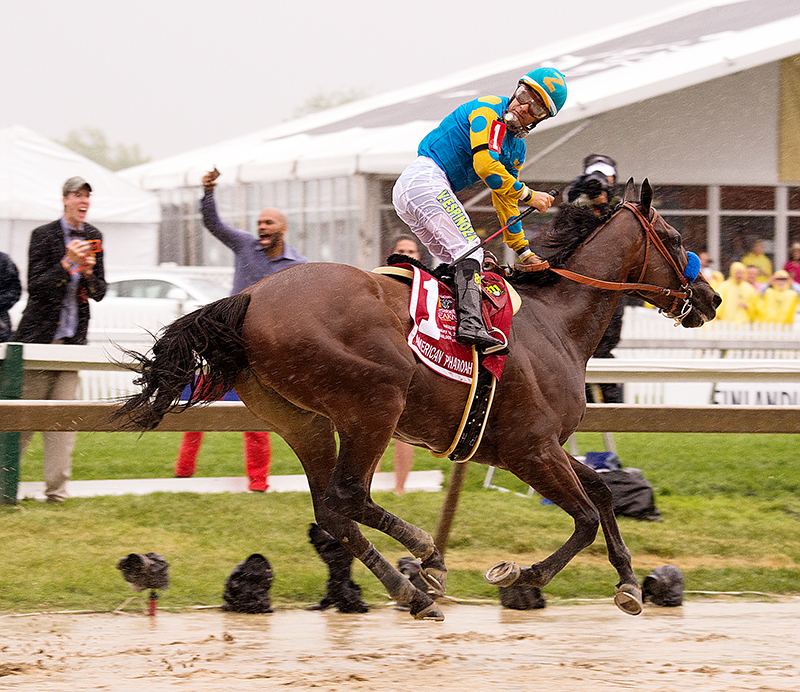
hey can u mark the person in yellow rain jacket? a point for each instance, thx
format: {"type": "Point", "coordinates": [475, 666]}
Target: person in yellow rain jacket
{"type": "Point", "coordinates": [739, 298]}
{"type": "Point", "coordinates": [779, 302]}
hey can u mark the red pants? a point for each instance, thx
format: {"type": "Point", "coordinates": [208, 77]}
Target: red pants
{"type": "Point", "coordinates": [257, 457]}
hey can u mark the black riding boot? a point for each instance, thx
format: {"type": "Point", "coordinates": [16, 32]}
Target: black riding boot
{"type": "Point", "coordinates": [471, 329]}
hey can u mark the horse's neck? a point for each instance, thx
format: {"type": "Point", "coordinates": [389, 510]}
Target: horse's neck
{"type": "Point", "coordinates": [583, 312]}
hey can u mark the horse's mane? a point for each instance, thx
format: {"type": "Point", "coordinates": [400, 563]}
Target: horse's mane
{"type": "Point", "coordinates": [572, 225]}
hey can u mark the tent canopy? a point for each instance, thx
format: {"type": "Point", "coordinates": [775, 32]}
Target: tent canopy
{"type": "Point", "coordinates": [673, 50]}
{"type": "Point", "coordinates": [33, 172]}
{"type": "Point", "coordinates": [35, 168]}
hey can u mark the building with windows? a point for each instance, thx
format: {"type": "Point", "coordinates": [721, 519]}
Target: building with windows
{"type": "Point", "coordinates": [702, 99]}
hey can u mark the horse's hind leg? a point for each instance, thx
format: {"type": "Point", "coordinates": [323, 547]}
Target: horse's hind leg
{"type": "Point", "coordinates": [628, 594]}
{"type": "Point", "coordinates": [312, 438]}
{"type": "Point", "coordinates": [348, 494]}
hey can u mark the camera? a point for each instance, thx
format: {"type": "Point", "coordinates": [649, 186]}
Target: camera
{"type": "Point", "coordinates": [593, 184]}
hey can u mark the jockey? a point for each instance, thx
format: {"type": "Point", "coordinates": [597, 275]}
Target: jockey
{"type": "Point", "coordinates": [480, 140]}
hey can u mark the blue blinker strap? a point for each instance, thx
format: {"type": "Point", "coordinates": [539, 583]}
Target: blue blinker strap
{"type": "Point", "coordinates": [692, 267]}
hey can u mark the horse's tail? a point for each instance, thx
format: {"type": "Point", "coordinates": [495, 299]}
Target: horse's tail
{"type": "Point", "coordinates": [206, 341]}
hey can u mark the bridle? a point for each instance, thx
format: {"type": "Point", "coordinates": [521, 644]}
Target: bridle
{"type": "Point", "coordinates": [678, 311]}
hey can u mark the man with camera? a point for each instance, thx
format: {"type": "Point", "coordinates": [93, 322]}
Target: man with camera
{"type": "Point", "coordinates": [594, 189]}
{"type": "Point", "coordinates": [65, 270]}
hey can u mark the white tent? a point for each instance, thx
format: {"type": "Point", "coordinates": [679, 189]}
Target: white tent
{"type": "Point", "coordinates": [708, 67]}
{"type": "Point", "coordinates": [32, 172]}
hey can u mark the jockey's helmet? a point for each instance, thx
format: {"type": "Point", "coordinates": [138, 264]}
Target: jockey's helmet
{"type": "Point", "coordinates": [551, 86]}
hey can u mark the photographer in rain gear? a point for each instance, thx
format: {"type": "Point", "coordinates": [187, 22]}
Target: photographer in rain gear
{"type": "Point", "coordinates": [595, 188]}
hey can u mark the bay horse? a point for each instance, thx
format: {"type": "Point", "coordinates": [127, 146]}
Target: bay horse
{"type": "Point", "coordinates": [320, 350]}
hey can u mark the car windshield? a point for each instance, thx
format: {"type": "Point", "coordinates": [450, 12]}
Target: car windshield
{"type": "Point", "coordinates": [208, 288]}
{"type": "Point", "coordinates": [197, 288]}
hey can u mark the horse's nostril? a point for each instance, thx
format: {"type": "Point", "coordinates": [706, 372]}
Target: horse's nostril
{"type": "Point", "coordinates": [717, 301]}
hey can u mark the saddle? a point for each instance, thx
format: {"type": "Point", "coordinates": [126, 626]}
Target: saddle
{"type": "Point", "coordinates": [432, 338]}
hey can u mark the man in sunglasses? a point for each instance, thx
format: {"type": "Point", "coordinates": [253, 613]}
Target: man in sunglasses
{"type": "Point", "coordinates": [480, 140]}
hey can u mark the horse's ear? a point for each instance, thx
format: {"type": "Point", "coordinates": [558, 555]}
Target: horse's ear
{"type": "Point", "coordinates": [630, 191]}
{"type": "Point", "coordinates": [647, 198]}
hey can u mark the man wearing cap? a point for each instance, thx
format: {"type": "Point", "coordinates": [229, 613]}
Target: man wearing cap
{"type": "Point", "coordinates": [65, 269]}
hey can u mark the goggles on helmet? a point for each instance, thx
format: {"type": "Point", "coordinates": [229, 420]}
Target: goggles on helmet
{"type": "Point", "coordinates": [537, 109]}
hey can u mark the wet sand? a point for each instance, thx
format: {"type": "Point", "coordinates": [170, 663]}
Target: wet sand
{"type": "Point", "coordinates": [703, 646]}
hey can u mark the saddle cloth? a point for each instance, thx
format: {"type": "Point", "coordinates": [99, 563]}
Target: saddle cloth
{"type": "Point", "coordinates": [433, 334]}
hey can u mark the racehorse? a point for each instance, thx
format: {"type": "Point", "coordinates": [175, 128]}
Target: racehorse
{"type": "Point", "coordinates": [320, 350]}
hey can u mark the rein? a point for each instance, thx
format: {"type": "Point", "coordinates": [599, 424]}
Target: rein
{"type": "Point", "coordinates": [651, 237]}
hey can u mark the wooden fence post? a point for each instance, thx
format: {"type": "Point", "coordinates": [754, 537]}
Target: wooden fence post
{"type": "Point", "coordinates": [11, 373]}
{"type": "Point", "coordinates": [457, 476]}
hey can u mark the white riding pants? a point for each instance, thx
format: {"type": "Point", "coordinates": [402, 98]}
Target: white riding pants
{"type": "Point", "coordinates": [424, 200]}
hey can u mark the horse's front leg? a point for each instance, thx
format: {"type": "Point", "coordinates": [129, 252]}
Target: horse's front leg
{"type": "Point", "coordinates": [552, 475]}
{"type": "Point", "coordinates": [628, 593]}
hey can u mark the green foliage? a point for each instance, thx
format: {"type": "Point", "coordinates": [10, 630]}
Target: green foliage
{"type": "Point", "coordinates": [92, 143]}
{"type": "Point", "coordinates": [730, 507]}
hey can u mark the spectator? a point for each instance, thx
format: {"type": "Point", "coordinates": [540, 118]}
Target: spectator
{"type": "Point", "coordinates": [10, 291]}
{"type": "Point", "coordinates": [482, 139]}
{"type": "Point", "coordinates": [739, 298]}
{"type": "Point", "coordinates": [752, 272]}
{"type": "Point", "coordinates": [757, 257]}
{"type": "Point", "coordinates": [779, 302]}
{"type": "Point", "coordinates": [793, 264]}
{"type": "Point", "coordinates": [65, 269]}
{"type": "Point", "coordinates": [403, 452]}
{"type": "Point", "coordinates": [595, 187]}
{"type": "Point", "coordinates": [254, 258]}
{"type": "Point", "coordinates": [714, 277]}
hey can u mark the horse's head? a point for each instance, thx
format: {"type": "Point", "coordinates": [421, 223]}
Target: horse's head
{"type": "Point", "coordinates": [686, 295]}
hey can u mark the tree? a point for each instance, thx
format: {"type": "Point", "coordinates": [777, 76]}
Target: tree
{"type": "Point", "coordinates": [92, 143]}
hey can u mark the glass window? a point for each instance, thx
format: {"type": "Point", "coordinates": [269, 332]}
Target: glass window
{"type": "Point", "coordinates": [739, 233]}
{"type": "Point", "coordinates": [747, 197]}
{"type": "Point", "coordinates": [680, 197]}
{"type": "Point", "coordinates": [794, 198]}
{"type": "Point", "coordinates": [693, 230]}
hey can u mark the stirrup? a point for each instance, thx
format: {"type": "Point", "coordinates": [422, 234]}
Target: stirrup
{"type": "Point", "coordinates": [500, 349]}
{"type": "Point", "coordinates": [482, 343]}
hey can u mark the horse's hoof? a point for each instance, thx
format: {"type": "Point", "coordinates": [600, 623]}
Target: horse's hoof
{"type": "Point", "coordinates": [628, 598]}
{"type": "Point", "coordinates": [503, 573]}
{"type": "Point", "coordinates": [436, 580]}
{"type": "Point", "coordinates": [431, 612]}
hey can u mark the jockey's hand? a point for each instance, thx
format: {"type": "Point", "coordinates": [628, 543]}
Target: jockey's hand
{"type": "Point", "coordinates": [541, 200]}
{"type": "Point", "coordinates": [533, 258]}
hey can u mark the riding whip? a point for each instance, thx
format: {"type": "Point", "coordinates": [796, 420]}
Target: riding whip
{"type": "Point", "coordinates": [529, 210]}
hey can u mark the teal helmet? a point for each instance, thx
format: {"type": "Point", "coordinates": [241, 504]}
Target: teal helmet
{"type": "Point", "coordinates": [550, 84]}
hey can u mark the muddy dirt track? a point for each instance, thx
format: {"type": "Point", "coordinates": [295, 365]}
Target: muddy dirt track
{"type": "Point", "coordinates": [702, 646]}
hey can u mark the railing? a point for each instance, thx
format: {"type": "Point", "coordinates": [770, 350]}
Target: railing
{"type": "Point", "coordinates": [20, 416]}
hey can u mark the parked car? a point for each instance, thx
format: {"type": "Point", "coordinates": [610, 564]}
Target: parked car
{"type": "Point", "coordinates": [140, 303]}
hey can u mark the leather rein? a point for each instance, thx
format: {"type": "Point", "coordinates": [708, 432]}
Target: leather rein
{"type": "Point", "coordinates": [652, 239]}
